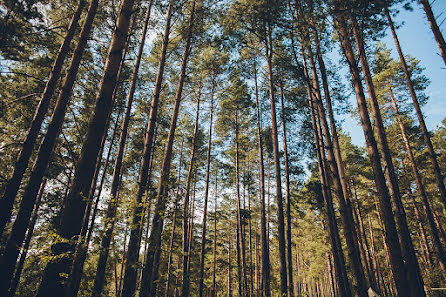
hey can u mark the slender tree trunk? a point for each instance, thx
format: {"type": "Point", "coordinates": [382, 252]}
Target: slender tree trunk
{"type": "Point", "coordinates": [17, 235]}
{"type": "Point", "coordinates": [263, 230]}
{"type": "Point", "coordinates": [172, 238]}
{"type": "Point", "coordinates": [229, 267]}
{"type": "Point", "coordinates": [240, 234]}
{"type": "Point", "coordinates": [206, 194]}
{"type": "Point", "coordinates": [339, 261]}
{"type": "Point", "coordinates": [287, 198]}
{"type": "Point", "coordinates": [71, 221]}
{"type": "Point", "coordinates": [359, 282]}
{"type": "Point", "coordinates": [425, 245]}
{"type": "Point", "coordinates": [408, 252]}
{"type": "Point", "coordinates": [426, 135]}
{"type": "Point", "coordinates": [372, 268]}
{"type": "Point", "coordinates": [190, 177]}
{"type": "Point", "coordinates": [385, 208]}
{"type": "Point", "coordinates": [427, 208]}
{"type": "Point", "coordinates": [83, 241]}
{"type": "Point", "coordinates": [280, 220]}
{"type": "Point", "coordinates": [148, 276]}
{"type": "Point", "coordinates": [435, 28]}
{"type": "Point", "coordinates": [12, 186]}
{"type": "Point", "coordinates": [191, 224]}
{"type": "Point", "coordinates": [214, 248]}
{"type": "Point", "coordinates": [113, 203]}
{"type": "Point", "coordinates": [130, 275]}
{"type": "Point", "coordinates": [29, 234]}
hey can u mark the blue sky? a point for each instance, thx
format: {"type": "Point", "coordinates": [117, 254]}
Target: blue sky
{"type": "Point", "coordinates": [416, 40]}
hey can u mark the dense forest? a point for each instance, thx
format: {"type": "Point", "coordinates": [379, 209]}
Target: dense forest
{"type": "Point", "coordinates": [197, 148]}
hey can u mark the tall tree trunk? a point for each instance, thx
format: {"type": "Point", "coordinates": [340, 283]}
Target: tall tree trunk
{"type": "Point", "coordinates": [339, 261]}
{"type": "Point", "coordinates": [83, 241]}
{"type": "Point", "coordinates": [287, 198]}
{"type": "Point", "coordinates": [435, 29]}
{"type": "Point", "coordinates": [229, 267]}
{"type": "Point", "coordinates": [359, 282]}
{"type": "Point", "coordinates": [427, 208]}
{"type": "Point", "coordinates": [280, 220]}
{"type": "Point", "coordinates": [12, 186]}
{"type": "Point", "coordinates": [391, 235]}
{"type": "Point", "coordinates": [71, 220]}
{"type": "Point", "coordinates": [363, 238]}
{"type": "Point", "coordinates": [408, 252]}
{"type": "Point", "coordinates": [172, 238]}
{"type": "Point", "coordinates": [243, 282]}
{"type": "Point", "coordinates": [190, 177]}
{"type": "Point", "coordinates": [214, 248]}
{"type": "Point", "coordinates": [151, 270]}
{"type": "Point", "coordinates": [426, 135]}
{"type": "Point", "coordinates": [113, 202]}
{"type": "Point", "coordinates": [130, 275]}
{"type": "Point", "coordinates": [21, 222]}
{"type": "Point", "coordinates": [425, 245]}
{"type": "Point", "coordinates": [263, 230]}
{"type": "Point", "coordinates": [206, 194]}
{"type": "Point", "coordinates": [29, 234]}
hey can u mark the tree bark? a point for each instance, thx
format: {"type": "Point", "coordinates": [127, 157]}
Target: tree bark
{"type": "Point", "coordinates": [71, 220]}
{"type": "Point", "coordinates": [130, 275]}
{"type": "Point", "coordinates": [408, 252]}
{"type": "Point", "coordinates": [280, 220]}
{"type": "Point", "coordinates": [263, 230]}
{"type": "Point", "coordinates": [46, 147]}
{"type": "Point", "coordinates": [12, 186]}
{"type": "Point", "coordinates": [113, 202]}
{"type": "Point", "coordinates": [29, 234]}
{"type": "Point", "coordinates": [214, 248]}
{"type": "Point", "coordinates": [243, 283]}
{"type": "Point", "coordinates": [359, 282]}
{"type": "Point", "coordinates": [391, 235]}
{"type": "Point", "coordinates": [172, 238]}
{"type": "Point", "coordinates": [190, 176]}
{"type": "Point", "coordinates": [151, 270]}
{"type": "Point", "coordinates": [435, 29]}
{"type": "Point", "coordinates": [206, 194]}
{"type": "Point", "coordinates": [339, 261]}
{"type": "Point", "coordinates": [287, 198]}
{"type": "Point", "coordinates": [426, 135]}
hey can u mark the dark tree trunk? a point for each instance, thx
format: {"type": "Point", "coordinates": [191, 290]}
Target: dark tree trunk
{"type": "Point", "coordinates": [21, 222]}
{"type": "Point", "coordinates": [71, 220]}
{"type": "Point", "coordinates": [408, 252]}
{"type": "Point", "coordinates": [427, 208]}
{"type": "Point", "coordinates": [229, 267]}
{"type": "Point", "coordinates": [87, 223]}
{"type": "Point", "coordinates": [214, 248]}
{"type": "Point", "coordinates": [280, 220]}
{"type": "Point", "coordinates": [12, 187]}
{"type": "Point", "coordinates": [287, 198]}
{"type": "Point", "coordinates": [151, 269]}
{"type": "Point", "coordinates": [359, 282]}
{"type": "Point", "coordinates": [426, 135]}
{"type": "Point", "coordinates": [263, 234]}
{"type": "Point", "coordinates": [172, 238]}
{"type": "Point", "coordinates": [130, 275]}
{"type": "Point", "coordinates": [190, 177]}
{"type": "Point", "coordinates": [339, 261]}
{"type": "Point", "coordinates": [206, 194]}
{"type": "Point", "coordinates": [29, 234]}
{"type": "Point", "coordinates": [435, 29]}
{"type": "Point", "coordinates": [241, 261]}
{"type": "Point", "coordinates": [391, 235]}
{"type": "Point", "coordinates": [113, 203]}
